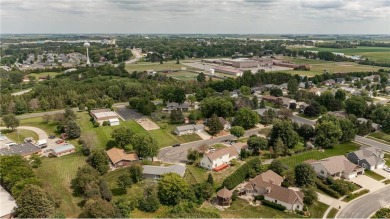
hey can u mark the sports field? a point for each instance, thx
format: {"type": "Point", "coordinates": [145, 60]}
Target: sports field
{"type": "Point", "coordinates": [156, 66]}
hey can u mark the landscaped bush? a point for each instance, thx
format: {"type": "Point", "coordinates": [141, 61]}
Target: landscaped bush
{"type": "Point", "coordinates": [106, 123]}
{"type": "Point", "coordinates": [342, 187]}
{"type": "Point", "coordinates": [259, 197]}
{"type": "Point", "coordinates": [96, 124]}
{"type": "Point", "coordinates": [242, 173]}
{"type": "Point", "coordinates": [273, 205]}
{"type": "Point", "coordinates": [321, 186]}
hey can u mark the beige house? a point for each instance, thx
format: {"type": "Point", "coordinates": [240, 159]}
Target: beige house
{"type": "Point", "coordinates": [219, 159]}
{"type": "Point", "coordinates": [337, 166]}
{"type": "Point", "coordinates": [101, 115]}
{"type": "Point", "coordinates": [268, 184]}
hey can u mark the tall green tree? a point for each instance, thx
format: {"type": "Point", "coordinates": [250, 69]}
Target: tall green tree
{"type": "Point", "coordinates": [246, 118]}
{"type": "Point", "coordinates": [327, 134]}
{"type": "Point", "coordinates": [99, 160]}
{"type": "Point", "coordinates": [72, 129]}
{"type": "Point", "coordinates": [99, 208]}
{"type": "Point", "coordinates": [214, 124]}
{"type": "Point", "coordinates": [122, 136]}
{"type": "Point", "coordinates": [149, 201]}
{"type": "Point", "coordinates": [356, 105]}
{"type": "Point", "coordinates": [144, 145]}
{"type": "Point", "coordinates": [237, 131]}
{"type": "Point", "coordinates": [255, 102]}
{"type": "Point", "coordinates": [11, 121]}
{"type": "Point", "coordinates": [292, 86]}
{"type": "Point", "coordinates": [136, 172]}
{"type": "Point", "coordinates": [285, 131]}
{"type": "Point", "coordinates": [173, 189]}
{"type": "Point", "coordinates": [304, 175]}
{"type": "Point", "coordinates": [257, 143]}
{"type": "Point", "coordinates": [278, 167]}
{"type": "Point", "coordinates": [34, 203]}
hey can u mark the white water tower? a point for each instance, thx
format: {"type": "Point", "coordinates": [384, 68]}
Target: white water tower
{"type": "Point", "coordinates": [87, 45]}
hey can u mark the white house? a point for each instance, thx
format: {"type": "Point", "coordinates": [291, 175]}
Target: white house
{"type": "Point", "coordinates": [219, 159]}
{"type": "Point", "coordinates": [188, 129]}
{"type": "Point", "coordinates": [114, 122]}
{"type": "Point", "coordinates": [337, 166]}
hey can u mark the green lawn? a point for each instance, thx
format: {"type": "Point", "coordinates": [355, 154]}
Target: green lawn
{"type": "Point", "coordinates": [156, 66]}
{"type": "Point", "coordinates": [374, 175]}
{"type": "Point", "coordinates": [242, 209]}
{"type": "Point", "coordinates": [56, 174]}
{"type": "Point", "coordinates": [195, 174]}
{"type": "Point", "coordinates": [19, 135]}
{"type": "Point", "coordinates": [387, 159]}
{"type": "Point", "coordinates": [38, 122]}
{"type": "Point", "coordinates": [381, 135]}
{"type": "Point", "coordinates": [317, 209]}
{"type": "Point", "coordinates": [37, 75]}
{"type": "Point", "coordinates": [332, 213]}
{"type": "Point", "coordinates": [340, 149]}
{"type": "Point", "coordinates": [307, 117]}
{"type": "Point", "coordinates": [355, 195]}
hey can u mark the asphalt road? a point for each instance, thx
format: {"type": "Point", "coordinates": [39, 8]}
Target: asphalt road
{"type": "Point", "coordinates": [179, 154]}
{"type": "Point", "coordinates": [366, 205]}
{"type": "Point", "coordinates": [371, 142]}
{"type": "Point", "coordinates": [302, 121]}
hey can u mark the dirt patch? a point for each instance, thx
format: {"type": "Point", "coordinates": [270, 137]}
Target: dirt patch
{"type": "Point", "coordinates": [147, 124]}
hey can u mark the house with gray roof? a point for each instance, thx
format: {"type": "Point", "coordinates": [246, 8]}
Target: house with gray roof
{"type": "Point", "coordinates": [188, 129]}
{"type": "Point", "coordinates": [25, 150]}
{"type": "Point", "coordinates": [176, 106]}
{"type": "Point", "coordinates": [370, 158]}
{"type": "Point", "coordinates": [155, 172]}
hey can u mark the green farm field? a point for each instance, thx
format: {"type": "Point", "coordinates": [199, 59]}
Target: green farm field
{"type": "Point", "coordinates": [379, 54]}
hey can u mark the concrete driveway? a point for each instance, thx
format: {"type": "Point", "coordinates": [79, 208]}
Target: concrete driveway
{"type": "Point", "coordinates": [367, 183]}
{"type": "Point", "coordinates": [382, 173]}
{"type": "Point", "coordinates": [335, 203]}
{"type": "Point", "coordinates": [204, 135]}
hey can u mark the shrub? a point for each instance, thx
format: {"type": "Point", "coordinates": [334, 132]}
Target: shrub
{"type": "Point", "coordinates": [273, 205]}
{"type": "Point", "coordinates": [96, 124]}
{"type": "Point", "coordinates": [242, 173]}
{"type": "Point", "coordinates": [321, 186]}
{"type": "Point", "coordinates": [343, 187]}
{"type": "Point", "coordinates": [106, 123]}
{"type": "Point", "coordinates": [235, 195]}
{"type": "Point", "coordinates": [259, 197]}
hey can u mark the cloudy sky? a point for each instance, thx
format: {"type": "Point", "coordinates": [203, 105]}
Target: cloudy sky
{"type": "Point", "coordinates": [196, 16]}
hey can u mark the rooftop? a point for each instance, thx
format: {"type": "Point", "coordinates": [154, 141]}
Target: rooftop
{"type": "Point", "coordinates": [160, 170]}
{"type": "Point", "coordinates": [116, 155]}
{"type": "Point", "coordinates": [7, 202]}
{"type": "Point", "coordinates": [22, 149]}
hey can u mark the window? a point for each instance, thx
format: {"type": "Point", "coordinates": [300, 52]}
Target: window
{"type": "Point", "coordinates": [322, 172]}
{"type": "Point", "coordinates": [276, 201]}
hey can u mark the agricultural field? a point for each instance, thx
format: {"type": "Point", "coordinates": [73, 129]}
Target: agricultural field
{"type": "Point", "coordinates": [57, 174]}
{"type": "Point", "coordinates": [339, 149]}
{"type": "Point", "coordinates": [318, 67]}
{"type": "Point", "coordinates": [378, 54]}
{"type": "Point", "coordinates": [19, 135]}
{"type": "Point", "coordinates": [37, 75]}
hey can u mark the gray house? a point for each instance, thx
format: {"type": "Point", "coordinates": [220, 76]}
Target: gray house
{"type": "Point", "coordinates": [370, 158]}
{"type": "Point", "coordinates": [188, 129]}
{"type": "Point", "coordinates": [155, 172]}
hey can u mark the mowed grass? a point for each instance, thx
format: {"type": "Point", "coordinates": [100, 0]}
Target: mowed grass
{"type": "Point", "coordinates": [381, 135]}
{"type": "Point", "coordinates": [317, 209]}
{"type": "Point", "coordinates": [57, 174]}
{"type": "Point", "coordinates": [332, 213]}
{"type": "Point", "coordinates": [340, 149]}
{"type": "Point", "coordinates": [38, 122]}
{"type": "Point", "coordinates": [19, 135]}
{"type": "Point", "coordinates": [155, 66]}
{"type": "Point", "coordinates": [195, 174]}
{"type": "Point", "coordinates": [374, 175]}
{"type": "Point", "coordinates": [242, 209]}
{"type": "Point", "coordinates": [37, 75]}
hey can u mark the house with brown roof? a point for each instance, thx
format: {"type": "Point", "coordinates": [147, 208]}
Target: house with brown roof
{"type": "Point", "coordinates": [219, 159]}
{"type": "Point", "coordinates": [119, 158]}
{"type": "Point", "coordinates": [337, 166]}
{"type": "Point", "coordinates": [224, 197]}
{"type": "Point", "coordinates": [268, 184]}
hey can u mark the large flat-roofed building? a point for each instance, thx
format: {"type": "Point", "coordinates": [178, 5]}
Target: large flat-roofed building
{"type": "Point", "coordinates": [25, 150]}
{"type": "Point", "coordinates": [63, 150]}
{"type": "Point", "coordinates": [101, 115]}
{"type": "Point", "coordinates": [244, 63]}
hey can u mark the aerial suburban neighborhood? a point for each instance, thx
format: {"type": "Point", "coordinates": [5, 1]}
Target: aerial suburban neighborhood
{"type": "Point", "coordinates": [147, 114]}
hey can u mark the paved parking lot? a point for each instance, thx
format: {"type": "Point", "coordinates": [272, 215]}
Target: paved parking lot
{"type": "Point", "coordinates": [128, 114]}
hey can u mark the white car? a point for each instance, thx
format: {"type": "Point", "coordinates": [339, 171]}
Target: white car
{"type": "Point", "coordinates": [10, 144]}
{"type": "Point", "coordinates": [387, 169]}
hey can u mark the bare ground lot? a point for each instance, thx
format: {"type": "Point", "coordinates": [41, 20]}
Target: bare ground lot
{"type": "Point", "coordinates": [130, 114]}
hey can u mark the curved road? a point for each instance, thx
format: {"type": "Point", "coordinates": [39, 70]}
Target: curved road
{"type": "Point", "coordinates": [366, 205]}
{"type": "Point", "coordinates": [41, 134]}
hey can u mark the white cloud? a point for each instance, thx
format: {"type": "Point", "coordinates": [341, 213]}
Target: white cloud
{"type": "Point", "coordinates": [195, 16]}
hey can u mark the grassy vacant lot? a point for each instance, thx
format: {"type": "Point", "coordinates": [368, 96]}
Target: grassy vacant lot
{"type": "Point", "coordinates": [19, 135]}
{"type": "Point", "coordinates": [332, 213]}
{"type": "Point", "coordinates": [317, 209]}
{"type": "Point", "coordinates": [242, 209]}
{"type": "Point", "coordinates": [38, 122]}
{"type": "Point", "coordinates": [37, 75]}
{"type": "Point", "coordinates": [374, 175]}
{"type": "Point", "coordinates": [183, 75]}
{"type": "Point", "coordinates": [339, 149]}
{"type": "Point", "coordinates": [380, 54]}
{"type": "Point", "coordinates": [156, 66]}
{"type": "Point", "coordinates": [381, 135]}
{"type": "Point", "coordinates": [56, 175]}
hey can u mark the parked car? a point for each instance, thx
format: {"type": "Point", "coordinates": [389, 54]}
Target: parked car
{"type": "Point", "coordinates": [59, 141]}
{"type": "Point", "coordinates": [10, 144]}
{"type": "Point", "coordinates": [387, 169]}
{"type": "Point", "coordinates": [176, 145]}
{"type": "Point", "coordinates": [52, 137]}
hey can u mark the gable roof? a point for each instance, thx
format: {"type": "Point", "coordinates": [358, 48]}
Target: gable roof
{"type": "Point", "coordinates": [231, 151]}
{"type": "Point", "coordinates": [64, 148]}
{"type": "Point", "coordinates": [160, 170]}
{"type": "Point", "coordinates": [337, 164]}
{"type": "Point", "coordinates": [116, 155]}
{"type": "Point", "coordinates": [285, 195]}
{"type": "Point", "coordinates": [268, 176]}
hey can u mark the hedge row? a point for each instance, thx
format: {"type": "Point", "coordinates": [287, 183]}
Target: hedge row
{"type": "Point", "coordinates": [273, 205]}
{"type": "Point", "coordinates": [241, 174]}
{"type": "Point", "coordinates": [321, 186]}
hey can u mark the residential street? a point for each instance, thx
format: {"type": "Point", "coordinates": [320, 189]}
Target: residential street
{"type": "Point", "coordinates": [179, 154]}
{"type": "Point", "coordinates": [371, 142]}
{"type": "Point", "coordinates": [365, 206]}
